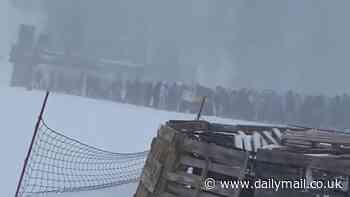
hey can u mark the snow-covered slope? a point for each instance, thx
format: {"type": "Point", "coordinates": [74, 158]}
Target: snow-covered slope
{"type": "Point", "coordinates": [110, 126]}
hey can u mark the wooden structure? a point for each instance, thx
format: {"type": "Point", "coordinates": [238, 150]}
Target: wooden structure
{"type": "Point", "coordinates": [279, 165]}
{"type": "Point", "coordinates": [314, 141]}
{"type": "Point", "coordinates": [174, 153]}
{"type": "Point", "coordinates": [185, 153]}
{"type": "Point", "coordinates": [33, 58]}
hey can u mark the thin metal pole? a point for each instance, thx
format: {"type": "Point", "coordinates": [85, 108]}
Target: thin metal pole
{"type": "Point", "coordinates": [32, 142]}
{"type": "Point", "coordinates": [201, 108]}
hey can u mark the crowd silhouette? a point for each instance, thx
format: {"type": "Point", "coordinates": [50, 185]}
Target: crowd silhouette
{"type": "Point", "coordinates": [320, 111]}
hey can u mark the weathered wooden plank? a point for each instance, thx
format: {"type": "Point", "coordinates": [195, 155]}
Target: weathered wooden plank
{"type": "Point", "coordinates": [231, 192]}
{"type": "Point", "coordinates": [247, 142]}
{"type": "Point", "coordinates": [142, 191]}
{"type": "Point", "coordinates": [267, 135]}
{"type": "Point", "coordinates": [167, 133]}
{"type": "Point", "coordinates": [272, 193]}
{"type": "Point", "coordinates": [318, 136]}
{"type": "Point", "coordinates": [298, 193]}
{"type": "Point", "coordinates": [297, 145]}
{"type": "Point", "coordinates": [263, 142]}
{"type": "Point", "coordinates": [184, 178]}
{"type": "Point", "coordinates": [331, 165]}
{"type": "Point", "coordinates": [170, 162]}
{"type": "Point", "coordinates": [278, 172]}
{"type": "Point", "coordinates": [216, 153]}
{"type": "Point", "coordinates": [229, 170]}
{"type": "Point", "coordinates": [283, 158]}
{"type": "Point", "coordinates": [278, 134]}
{"type": "Point", "coordinates": [315, 132]}
{"type": "Point", "coordinates": [187, 126]}
{"type": "Point", "coordinates": [314, 151]}
{"type": "Point", "coordinates": [293, 141]}
{"type": "Point", "coordinates": [151, 174]}
{"type": "Point", "coordinates": [301, 160]}
{"type": "Point", "coordinates": [166, 194]}
{"type": "Point", "coordinates": [196, 182]}
{"type": "Point", "coordinates": [256, 141]}
{"type": "Point", "coordinates": [238, 141]}
{"type": "Point", "coordinates": [182, 191]}
{"type": "Point", "coordinates": [152, 168]}
{"type": "Point", "coordinates": [160, 155]}
{"type": "Point", "coordinates": [159, 149]}
{"type": "Point", "coordinates": [259, 128]}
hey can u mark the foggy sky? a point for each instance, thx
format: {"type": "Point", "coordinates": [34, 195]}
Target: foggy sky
{"type": "Point", "coordinates": [289, 44]}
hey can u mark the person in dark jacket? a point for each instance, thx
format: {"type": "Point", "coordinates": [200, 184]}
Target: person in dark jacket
{"type": "Point", "coordinates": [156, 94]}
{"type": "Point", "coordinates": [221, 99]}
{"type": "Point", "coordinates": [172, 97]}
{"type": "Point", "coordinates": [116, 90]}
{"type": "Point", "coordinates": [148, 93]}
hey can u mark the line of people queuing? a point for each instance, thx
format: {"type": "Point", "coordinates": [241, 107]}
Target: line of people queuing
{"type": "Point", "coordinates": [248, 104]}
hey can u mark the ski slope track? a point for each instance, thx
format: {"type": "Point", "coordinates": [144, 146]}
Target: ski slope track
{"type": "Point", "coordinates": [110, 126]}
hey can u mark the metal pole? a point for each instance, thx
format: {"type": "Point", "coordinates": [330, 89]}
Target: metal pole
{"type": "Point", "coordinates": [201, 108]}
{"type": "Point", "coordinates": [32, 142]}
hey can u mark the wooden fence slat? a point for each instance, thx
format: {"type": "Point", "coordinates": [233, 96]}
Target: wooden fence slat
{"type": "Point", "coordinates": [277, 133]}
{"type": "Point", "coordinates": [230, 170]}
{"type": "Point", "coordinates": [293, 141]}
{"type": "Point", "coordinates": [216, 153]}
{"type": "Point", "coordinates": [184, 178]}
{"type": "Point", "coordinates": [282, 157]}
{"type": "Point", "coordinates": [332, 165]}
{"type": "Point", "coordinates": [302, 160]}
{"type": "Point", "coordinates": [142, 191]}
{"type": "Point", "coordinates": [230, 192]}
{"type": "Point", "coordinates": [170, 162]}
{"type": "Point", "coordinates": [272, 193]}
{"type": "Point", "coordinates": [152, 168]}
{"type": "Point", "coordinates": [182, 191]}
{"type": "Point", "coordinates": [153, 165]}
{"type": "Point", "coordinates": [257, 141]}
{"type": "Point", "coordinates": [195, 182]}
{"type": "Point", "coordinates": [297, 145]}
{"type": "Point", "coordinates": [151, 174]}
{"type": "Point", "coordinates": [318, 136]}
{"type": "Point", "coordinates": [166, 194]}
{"type": "Point", "coordinates": [188, 126]}
{"type": "Point", "coordinates": [267, 135]}
{"type": "Point", "coordinates": [167, 133]}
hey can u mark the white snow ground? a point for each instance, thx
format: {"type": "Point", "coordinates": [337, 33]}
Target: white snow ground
{"type": "Point", "coordinates": [111, 126]}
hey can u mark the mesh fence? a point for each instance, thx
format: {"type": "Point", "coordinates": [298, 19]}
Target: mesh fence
{"type": "Point", "coordinates": [61, 164]}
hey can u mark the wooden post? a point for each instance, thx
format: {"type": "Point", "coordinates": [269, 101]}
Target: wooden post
{"type": "Point", "coordinates": [32, 142]}
{"type": "Point", "coordinates": [201, 108]}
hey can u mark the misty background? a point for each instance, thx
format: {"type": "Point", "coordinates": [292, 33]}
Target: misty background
{"type": "Point", "coordinates": [273, 44]}
{"type": "Point", "coordinates": [10, 18]}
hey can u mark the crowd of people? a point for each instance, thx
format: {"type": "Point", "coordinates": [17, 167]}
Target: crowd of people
{"type": "Point", "coordinates": [266, 105]}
